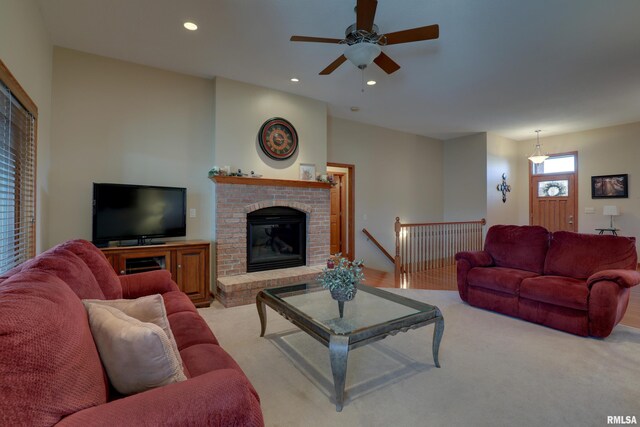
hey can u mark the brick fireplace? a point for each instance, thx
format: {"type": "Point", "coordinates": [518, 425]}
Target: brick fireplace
{"type": "Point", "coordinates": [238, 196]}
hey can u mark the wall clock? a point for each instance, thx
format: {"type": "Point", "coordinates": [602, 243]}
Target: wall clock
{"type": "Point", "coordinates": [278, 138]}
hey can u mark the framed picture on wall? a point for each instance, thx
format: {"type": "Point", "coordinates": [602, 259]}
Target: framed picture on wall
{"type": "Point", "coordinates": [307, 171]}
{"type": "Point", "coordinates": [610, 186]}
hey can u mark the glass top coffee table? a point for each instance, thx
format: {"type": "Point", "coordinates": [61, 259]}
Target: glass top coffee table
{"type": "Point", "coordinates": [371, 316]}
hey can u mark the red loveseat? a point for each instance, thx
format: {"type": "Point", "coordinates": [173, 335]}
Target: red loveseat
{"type": "Point", "coordinates": [50, 370]}
{"type": "Point", "coordinates": [578, 283]}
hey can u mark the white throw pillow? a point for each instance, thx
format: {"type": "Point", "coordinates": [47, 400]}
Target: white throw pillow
{"type": "Point", "coordinates": [136, 355]}
{"type": "Point", "coordinates": [148, 309]}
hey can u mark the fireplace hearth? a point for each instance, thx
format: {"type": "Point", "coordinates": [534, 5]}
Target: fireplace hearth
{"type": "Point", "coordinates": [276, 238]}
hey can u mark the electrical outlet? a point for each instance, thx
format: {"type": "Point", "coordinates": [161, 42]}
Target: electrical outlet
{"type": "Point", "coordinates": [364, 217]}
{"type": "Point", "coordinates": [192, 213]}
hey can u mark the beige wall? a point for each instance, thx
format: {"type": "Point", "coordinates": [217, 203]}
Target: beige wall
{"type": "Point", "coordinates": [604, 151]}
{"type": "Point", "coordinates": [119, 122]}
{"type": "Point", "coordinates": [465, 178]}
{"type": "Point", "coordinates": [240, 110]}
{"type": "Point", "coordinates": [396, 174]}
{"type": "Point", "coordinates": [502, 157]}
{"type": "Point", "coordinates": [26, 51]}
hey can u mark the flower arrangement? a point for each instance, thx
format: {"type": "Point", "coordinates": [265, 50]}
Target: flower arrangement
{"type": "Point", "coordinates": [342, 280]}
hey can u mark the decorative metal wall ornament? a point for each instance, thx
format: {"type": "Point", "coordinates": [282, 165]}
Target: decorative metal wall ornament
{"type": "Point", "coordinates": [504, 188]}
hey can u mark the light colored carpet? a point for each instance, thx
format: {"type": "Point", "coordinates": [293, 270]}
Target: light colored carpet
{"type": "Point", "coordinates": [496, 371]}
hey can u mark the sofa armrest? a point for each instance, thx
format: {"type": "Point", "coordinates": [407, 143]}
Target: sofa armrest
{"type": "Point", "coordinates": [624, 278]}
{"type": "Point", "coordinates": [218, 398]}
{"type": "Point", "coordinates": [147, 283]}
{"type": "Point", "coordinates": [476, 258]}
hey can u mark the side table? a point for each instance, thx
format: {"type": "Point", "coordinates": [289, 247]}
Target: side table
{"type": "Point", "coordinates": [613, 231]}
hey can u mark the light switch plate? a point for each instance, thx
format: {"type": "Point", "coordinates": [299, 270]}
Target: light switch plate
{"type": "Point", "coordinates": [192, 213]}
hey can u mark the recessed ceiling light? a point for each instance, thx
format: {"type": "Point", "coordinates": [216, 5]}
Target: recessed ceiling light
{"type": "Point", "coordinates": [295, 79]}
{"type": "Point", "coordinates": [190, 26]}
{"type": "Point", "coordinates": [371, 82]}
{"type": "Point", "coordinates": [355, 109]}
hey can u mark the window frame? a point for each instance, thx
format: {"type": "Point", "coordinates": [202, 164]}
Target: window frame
{"type": "Point", "coordinates": [574, 154]}
{"type": "Point", "coordinates": [17, 91]}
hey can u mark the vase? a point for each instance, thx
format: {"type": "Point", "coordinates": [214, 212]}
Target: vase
{"type": "Point", "coordinates": [341, 294]}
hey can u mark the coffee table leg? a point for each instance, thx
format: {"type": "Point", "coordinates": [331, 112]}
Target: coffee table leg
{"type": "Point", "coordinates": [262, 313]}
{"type": "Point", "coordinates": [438, 330]}
{"type": "Point", "coordinates": [338, 352]}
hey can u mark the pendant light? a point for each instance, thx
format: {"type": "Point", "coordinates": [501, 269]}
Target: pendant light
{"type": "Point", "coordinates": [537, 157]}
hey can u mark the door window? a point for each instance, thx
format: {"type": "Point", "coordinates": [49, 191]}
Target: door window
{"type": "Point", "coordinates": [557, 188]}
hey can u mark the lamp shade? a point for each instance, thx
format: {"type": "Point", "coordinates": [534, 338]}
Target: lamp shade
{"type": "Point", "coordinates": [537, 156]}
{"type": "Point", "coordinates": [362, 54]}
{"type": "Point", "coordinates": [610, 210]}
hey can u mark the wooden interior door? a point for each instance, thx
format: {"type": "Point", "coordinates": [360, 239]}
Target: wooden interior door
{"type": "Point", "coordinates": [338, 205]}
{"type": "Point", "coordinates": [553, 201]}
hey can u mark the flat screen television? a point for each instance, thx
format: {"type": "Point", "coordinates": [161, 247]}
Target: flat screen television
{"type": "Point", "coordinates": [140, 212]}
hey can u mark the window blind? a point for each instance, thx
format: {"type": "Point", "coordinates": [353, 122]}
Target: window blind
{"type": "Point", "coordinates": [17, 181]}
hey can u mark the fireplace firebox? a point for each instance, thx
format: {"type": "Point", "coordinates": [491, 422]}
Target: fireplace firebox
{"type": "Point", "coordinates": [276, 238]}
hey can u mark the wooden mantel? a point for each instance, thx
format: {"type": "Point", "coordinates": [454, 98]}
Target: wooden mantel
{"type": "Point", "coordinates": [269, 182]}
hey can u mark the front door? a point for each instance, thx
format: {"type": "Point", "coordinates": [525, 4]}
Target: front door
{"type": "Point", "coordinates": [337, 214]}
{"type": "Point", "coordinates": [553, 201]}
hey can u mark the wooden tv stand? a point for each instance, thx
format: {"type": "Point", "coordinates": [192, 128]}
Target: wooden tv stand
{"type": "Point", "coordinates": [188, 262]}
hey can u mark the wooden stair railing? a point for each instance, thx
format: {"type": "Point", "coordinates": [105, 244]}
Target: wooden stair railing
{"type": "Point", "coordinates": [425, 246]}
{"type": "Point", "coordinates": [375, 242]}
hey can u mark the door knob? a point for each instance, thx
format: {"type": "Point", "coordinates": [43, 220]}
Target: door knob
{"type": "Point", "coordinates": [570, 219]}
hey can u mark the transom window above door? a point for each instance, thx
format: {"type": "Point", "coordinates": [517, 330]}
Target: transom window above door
{"type": "Point", "coordinates": [561, 163]}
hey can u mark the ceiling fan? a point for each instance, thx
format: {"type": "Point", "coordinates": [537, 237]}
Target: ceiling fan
{"type": "Point", "coordinates": [364, 41]}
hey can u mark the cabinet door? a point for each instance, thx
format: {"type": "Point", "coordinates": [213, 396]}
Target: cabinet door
{"type": "Point", "coordinates": [113, 262]}
{"type": "Point", "coordinates": [191, 272]}
{"type": "Point", "coordinates": [141, 261]}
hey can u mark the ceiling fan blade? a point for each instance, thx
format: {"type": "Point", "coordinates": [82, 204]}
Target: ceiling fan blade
{"type": "Point", "coordinates": [365, 13]}
{"type": "Point", "coordinates": [314, 39]}
{"type": "Point", "coordinates": [429, 32]}
{"type": "Point", "coordinates": [387, 64]}
{"type": "Point", "coordinates": [332, 67]}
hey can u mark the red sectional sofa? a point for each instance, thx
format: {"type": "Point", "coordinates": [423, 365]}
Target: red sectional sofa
{"type": "Point", "coordinates": [578, 283]}
{"type": "Point", "coordinates": [50, 370]}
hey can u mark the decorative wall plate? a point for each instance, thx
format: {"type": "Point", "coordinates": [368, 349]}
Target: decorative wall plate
{"type": "Point", "coordinates": [278, 138]}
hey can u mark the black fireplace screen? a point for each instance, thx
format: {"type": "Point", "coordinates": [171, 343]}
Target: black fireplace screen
{"type": "Point", "coordinates": [275, 239]}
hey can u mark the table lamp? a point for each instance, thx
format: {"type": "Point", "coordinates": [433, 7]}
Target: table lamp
{"type": "Point", "coordinates": [611, 211]}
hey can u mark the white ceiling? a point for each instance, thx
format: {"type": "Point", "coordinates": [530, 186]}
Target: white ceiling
{"type": "Point", "coordinates": [503, 66]}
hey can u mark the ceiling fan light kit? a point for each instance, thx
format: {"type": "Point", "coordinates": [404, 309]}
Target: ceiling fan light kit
{"type": "Point", "coordinates": [364, 41]}
{"type": "Point", "coordinates": [362, 54]}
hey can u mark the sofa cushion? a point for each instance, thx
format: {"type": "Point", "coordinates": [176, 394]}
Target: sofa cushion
{"type": "Point", "coordinates": [202, 358]}
{"type": "Point", "coordinates": [49, 364]}
{"type": "Point", "coordinates": [581, 255]}
{"type": "Point", "coordinates": [498, 278]}
{"type": "Point", "coordinates": [149, 309]}
{"type": "Point", "coordinates": [67, 266]}
{"type": "Point", "coordinates": [557, 290]}
{"type": "Point", "coordinates": [137, 355]}
{"type": "Point", "coordinates": [97, 262]}
{"type": "Point", "coordinates": [190, 329]}
{"type": "Point", "coordinates": [177, 301]}
{"type": "Point", "coordinates": [522, 247]}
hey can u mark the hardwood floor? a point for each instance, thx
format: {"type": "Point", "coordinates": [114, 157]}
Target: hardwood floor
{"type": "Point", "coordinates": [445, 279]}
